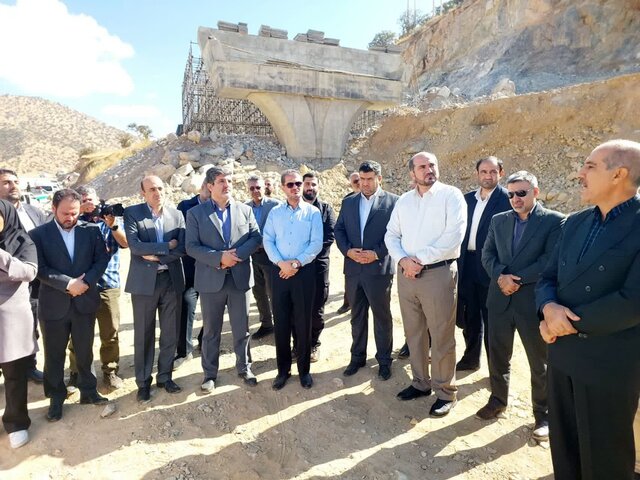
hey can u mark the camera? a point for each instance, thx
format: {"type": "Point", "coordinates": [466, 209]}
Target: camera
{"type": "Point", "coordinates": [116, 209]}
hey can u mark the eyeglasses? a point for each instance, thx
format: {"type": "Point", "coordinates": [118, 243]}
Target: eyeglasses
{"type": "Point", "coordinates": [255, 187]}
{"type": "Point", "coordinates": [518, 193]}
{"type": "Point", "coordinates": [293, 184]}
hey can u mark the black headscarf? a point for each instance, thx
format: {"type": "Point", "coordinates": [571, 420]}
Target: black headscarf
{"type": "Point", "coordinates": [13, 238]}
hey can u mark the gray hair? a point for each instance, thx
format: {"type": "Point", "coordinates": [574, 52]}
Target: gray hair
{"type": "Point", "coordinates": [523, 176]}
{"type": "Point", "coordinates": [215, 172]}
{"type": "Point", "coordinates": [288, 172]}
{"type": "Point", "coordinates": [255, 178]}
{"type": "Point", "coordinates": [84, 190]}
{"type": "Point", "coordinates": [624, 154]}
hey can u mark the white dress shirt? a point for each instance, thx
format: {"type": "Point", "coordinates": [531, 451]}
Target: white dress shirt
{"type": "Point", "coordinates": [430, 227]}
{"type": "Point", "coordinates": [25, 219]}
{"type": "Point", "coordinates": [365, 210]}
{"type": "Point", "coordinates": [477, 215]}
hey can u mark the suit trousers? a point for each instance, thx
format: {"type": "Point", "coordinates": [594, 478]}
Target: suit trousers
{"type": "Point", "coordinates": [428, 306]}
{"type": "Point", "coordinates": [34, 312]}
{"type": "Point", "coordinates": [55, 335]}
{"type": "Point", "coordinates": [167, 302]}
{"type": "Point", "coordinates": [16, 415]}
{"type": "Point", "coordinates": [187, 317]}
{"type": "Point", "coordinates": [591, 428]}
{"type": "Point", "coordinates": [292, 304]}
{"type": "Point", "coordinates": [108, 317]}
{"type": "Point", "coordinates": [474, 328]}
{"type": "Point", "coordinates": [364, 291]}
{"type": "Point", "coordinates": [213, 305]}
{"type": "Point", "coordinates": [502, 328]}
{"type": "Point", "coordinates": [320, 297]}
{"type": "Point", "coordinates": [262, 292]}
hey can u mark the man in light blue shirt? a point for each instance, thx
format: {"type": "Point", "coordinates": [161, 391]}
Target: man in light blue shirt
{"type": "Point", "coordinates": [292, 238]}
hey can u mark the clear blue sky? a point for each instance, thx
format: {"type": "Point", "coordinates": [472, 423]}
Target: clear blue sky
{"type": "Point", "coordinates": [122, 61]}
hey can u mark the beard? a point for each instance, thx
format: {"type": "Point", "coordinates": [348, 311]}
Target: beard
{"type": "Point", "coordinates": [311, 196]}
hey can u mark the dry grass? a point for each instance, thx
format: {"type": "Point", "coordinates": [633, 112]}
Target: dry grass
{"type": "Point", "coordinates": [92, 165]}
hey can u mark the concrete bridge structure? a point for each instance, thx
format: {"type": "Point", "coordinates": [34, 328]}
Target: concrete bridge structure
{"type": "Point", "coordinates": [310, 92]}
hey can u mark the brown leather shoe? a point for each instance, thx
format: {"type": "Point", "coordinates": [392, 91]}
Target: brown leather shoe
{"type": "Point", "coordinates": [489, 412]}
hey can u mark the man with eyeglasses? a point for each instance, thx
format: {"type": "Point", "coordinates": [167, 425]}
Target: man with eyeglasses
{"type": "Point", "coordinates": [292, 238]}
{"type": "Point", "coordinates": [261, 206]}
{"type": "Point", "coordinates": [482, 204]}
{"type": "Point", "coordinates": [423, 236]}
{"type": "Point", "coordinates": [354, 181]}
{"type": "Point", "coordinates": [589, 298]}
{"type": "Point", "coordinates": [518, 246]}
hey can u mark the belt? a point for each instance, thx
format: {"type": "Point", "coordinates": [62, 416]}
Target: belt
{"type": "Point", "coordinates": [431, 266]}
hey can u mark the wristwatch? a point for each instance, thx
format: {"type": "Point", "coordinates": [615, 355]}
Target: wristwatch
{"type": "Point", "coordinates": [295, 265]}
{"type": "Point", "coordinates": [114, 228]}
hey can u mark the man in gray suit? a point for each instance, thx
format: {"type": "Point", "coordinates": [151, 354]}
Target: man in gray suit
{"type": "Point", "coordinates": [221, 235]}
{"type": "Point", "coordinates": [71, 259]}
{"type": "Point", "coordinates": [155, 233]}
{"type": "Point", "coordinates": [261, 207]}
{"type": "Point", "coordinates": [368, 268]}
{"type": "Point", "coordinates": [517, 248]}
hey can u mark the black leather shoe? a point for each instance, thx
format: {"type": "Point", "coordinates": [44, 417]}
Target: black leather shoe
{"type": "Point", "coordinates": [440, 407]}
{"type": "Point", "coordinates": [35, 375]}
{"type": "Point", "coordinates": [170, 386]}
{"type": "Point", "coordinates": [305, 380]}
{"type": "Point", "coordinates": [93, 399]}
{"type": "Point", "coordinates": [384, 372]}
{"type": "Point", "coordinates": [144, 395]}
{"type": "Point", "coordinates": [55, 410]}
{"type": "Point", "coordinates": [343, 309]}
{"type": "Point", "coordinates": [411, 392]}
{"type": "Point", "coordinates": [352, 368]}
{"type": "Point", "coordinates": [249, 378]}
{"type": "Point", "coordinates": [262, 332]}
{"type": "Point", "coordinates": [280, 381]}
{"type": "Point", "coordinates": [404, 352]}
{"type": "Point", "coordinates": [466, 366]}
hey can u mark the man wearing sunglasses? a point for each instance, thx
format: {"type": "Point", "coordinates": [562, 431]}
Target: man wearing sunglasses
{"type": "Point", "coordinates": [589, 296]}
{"type": "Point", "coordinates": [261, 207]}
{"type": "Point", "coordinates": [518, 246]}
{"type": "Point", "coordinates": [292, 238]}
{"type": "Point", "coordinates": [482, 204]}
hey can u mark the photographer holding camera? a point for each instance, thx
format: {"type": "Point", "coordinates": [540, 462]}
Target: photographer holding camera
{"type": "Point", "coordinates": [109, 219]}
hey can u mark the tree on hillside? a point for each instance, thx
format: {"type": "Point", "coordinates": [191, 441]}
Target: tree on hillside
{"type": "Point", "coordinates": [142, 130]}
{"type": "Point", "coordinates": [125, 139]}
{"type": "Point", "coordinates": [410, 19]}
{"type": "Point", "coordinates": [383, 39]}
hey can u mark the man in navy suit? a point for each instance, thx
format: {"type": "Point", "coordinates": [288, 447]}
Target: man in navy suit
{"type": "Point", "coordinates": [261, 206]}
{"type": "Point", "coordinates": [368, 268]}
{"type": "Point", "coordinates": [482, 204]}
{"type": "Point", "coordinates": [71, 259]}
{"type": "Point", "coordinates": [589, 296]}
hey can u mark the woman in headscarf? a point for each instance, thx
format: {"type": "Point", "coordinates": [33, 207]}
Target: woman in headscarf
{"type": "Point", "coordinates": [18, 266]}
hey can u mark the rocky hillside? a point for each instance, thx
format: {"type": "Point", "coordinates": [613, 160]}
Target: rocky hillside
{"type": "Point", "coordinates": [548, 133]}
{"type": "Point", "coordinates": [538, 44]}
{"type": "Point", "coordinates": [40, 136]}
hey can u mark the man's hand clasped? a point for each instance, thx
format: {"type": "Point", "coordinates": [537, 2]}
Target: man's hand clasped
{"type": "Point", "coordinates": [77, 286]}
{"type": "Point", "coordinates": [362, 256]}
{"type": "Point", "coordinates": [558, 322]}
{"type": "Point", "coordinates": [411, 267]}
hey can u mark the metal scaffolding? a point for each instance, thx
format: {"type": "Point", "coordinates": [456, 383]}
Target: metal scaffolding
{"type": "Point", "coordinates": [202, 110]}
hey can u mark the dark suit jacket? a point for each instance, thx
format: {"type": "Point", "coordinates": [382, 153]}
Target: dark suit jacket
{"type": "Point", "coordinates": [499, 202]}
{"type": "Point", "coordinates": [205, 243]}
{"type": "Point", "coordinates": [260, 256]}
{"type": "Point", "coordinates": [348, 233]}
{"type": "Point", "coordinates": [328, 235]}
{"type": "Point", "coordinates": [527, 261]}
{"type": "Point", "coordinates": [142, 238]}
{"type": "Point", "coordinates": [55, 268]}
{"type": "Point", "coordinates": [603, 289]}
{"type": "Point", "coordinates": [188, 263]}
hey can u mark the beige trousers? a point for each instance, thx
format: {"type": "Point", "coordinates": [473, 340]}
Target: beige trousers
{"type": "Point", "coordinates": [428, 305]}
{"type": "Point", "coordinates": [636, 434]}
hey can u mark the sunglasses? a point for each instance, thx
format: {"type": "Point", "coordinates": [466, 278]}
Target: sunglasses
{"type": "Point", "coordinates": [256, 187]}
{"type": "Point", "coordinates": [518, 193]}
{"type": "Point", "coordinates": [355, 182]}
{"type": "Point", "coordinates": [293, 184]}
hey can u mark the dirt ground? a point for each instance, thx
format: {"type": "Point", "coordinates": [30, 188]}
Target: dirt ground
{"type": "Point", "coordinates": [347, 428]}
